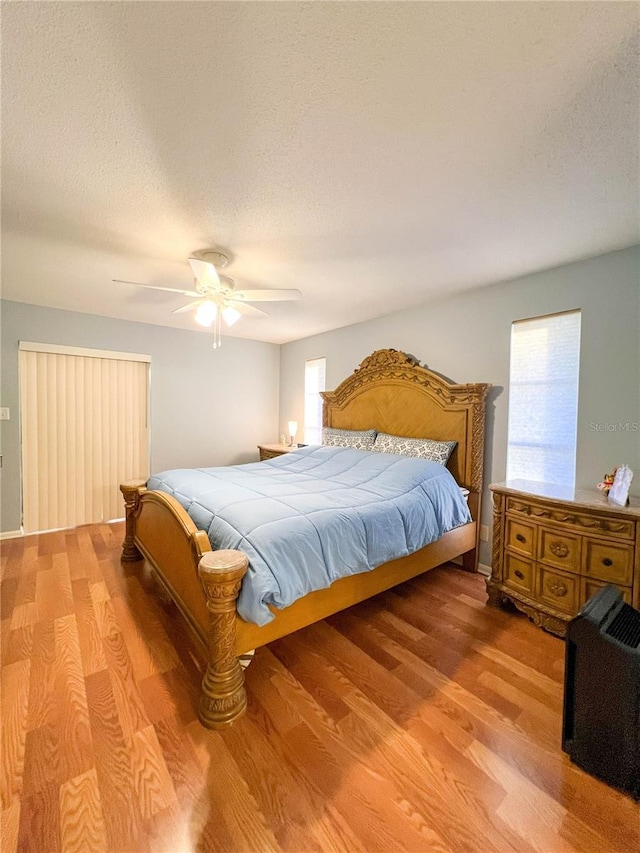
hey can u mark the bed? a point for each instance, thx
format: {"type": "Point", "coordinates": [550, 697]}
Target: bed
{"type": "Point", "coordinates": [389, 392]}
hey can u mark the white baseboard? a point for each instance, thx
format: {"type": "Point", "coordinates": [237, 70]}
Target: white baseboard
{"type": "Point", "coordinates": [11, 534]}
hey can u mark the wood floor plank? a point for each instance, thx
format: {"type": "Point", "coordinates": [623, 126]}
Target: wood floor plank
{"type": "Point", "coordinates": [75, 558]}
{"type": "Point", "coordinates": [15, 705]}
{"type": "Point", "coordinates": [43, 757]}
{"type": "Point", "coordinates": [42, 699]}
{"type": "Point", "coordinates": [160, 653]}
{"type": "Point", "coordinates": [73, 713]}
{"type": "Point", "coordinates": [420, 721]}
{"type": "Point", "coordinates": [122, 818]}
{"type": "Point", "coordinates": [231, 812]}
{"type": "Point", "coordinates": [16, 645]}
{"type": "Point", "coordinates": [143, 660]}
{"type": "Point", "coordinates": [184, 769]}
{"type": "Point", "coordinates": [53, 591]}
{"type": "Point", "coordinates": [9, 827]}
{"type": "Point", "coordinates": [130, 706]}
{"type": "Point", "coordinates": [8, 591]}
{"type": "Point", "coordinates": [91, 647]}
{"type": "Point", "coordinates": [169, 694]}
{"type": "Point", "coordinates": [152, 783]}
{"type": "Point", "coordinates": [82, 825]}
{"type": "Point", "coordinates": [103, 609]}
{"type": "Point", "coordinates": [39, 828]}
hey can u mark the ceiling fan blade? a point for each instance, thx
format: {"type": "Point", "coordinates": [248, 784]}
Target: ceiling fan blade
{"type": "Point", "coordinates": [159, 287]}
{"type": "Point", "coordinates": [247, 310]}
{"type": "Point", "coordinates": [190, 306]}
{"type": "Point", "coordinates": [205, 273]}
{"type": "Point", "coordinates": [267, 295]}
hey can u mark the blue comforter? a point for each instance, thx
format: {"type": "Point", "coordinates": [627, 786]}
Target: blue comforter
{"type": "Point", "coordinates": [307, 518]}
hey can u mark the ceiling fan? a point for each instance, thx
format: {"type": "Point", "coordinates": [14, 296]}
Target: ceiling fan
{"type": "Point", "coordinates": [216, 298]}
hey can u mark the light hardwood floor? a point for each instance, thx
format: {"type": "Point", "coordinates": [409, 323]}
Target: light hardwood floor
{"type": "Point", "coordinates": [418, 721]}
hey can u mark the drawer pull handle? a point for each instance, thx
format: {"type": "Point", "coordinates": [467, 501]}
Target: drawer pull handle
{"type": "Point", "coordinates": [607, 561]}
{"type": "Point", "coordinates": [519, 574]}
{"type": "Point", "coordinates": [557, 587]}
{"type": "Point", "coordinates": [520, 537]}
{"type": "Point", "coordinates": [558, 549]}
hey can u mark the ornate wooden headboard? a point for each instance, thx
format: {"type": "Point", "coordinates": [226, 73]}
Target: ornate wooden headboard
{"type": "Point", "coordinates": [392, 393]}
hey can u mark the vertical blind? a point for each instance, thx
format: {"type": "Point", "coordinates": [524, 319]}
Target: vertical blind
{"type": "Point", "coordinates": [543, 398]}
{"type": "Point", "coordinates": [314, 382]}
{"type": "Point", "coordinates": [84, 431]}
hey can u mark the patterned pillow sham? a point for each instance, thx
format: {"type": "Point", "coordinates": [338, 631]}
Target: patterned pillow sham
{"type": "Point", "coordinates": [421, 448]}
{"type": "Point", "coordinates": [360, 439]}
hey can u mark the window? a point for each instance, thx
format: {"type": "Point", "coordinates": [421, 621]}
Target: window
{"type": "Point", "coordinates": [543, 398]}
{"type": "Point", "coordinates": [314, 382]}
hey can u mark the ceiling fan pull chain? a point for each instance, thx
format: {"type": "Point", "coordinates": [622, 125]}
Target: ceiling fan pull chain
{"type": "Point", "coordinates": [217, 343]}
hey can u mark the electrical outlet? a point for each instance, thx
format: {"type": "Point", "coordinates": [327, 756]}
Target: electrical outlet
{"type": "Point", "coordinates": [484, 532]}
{"type": "Point", "coordinates": [4, 414]}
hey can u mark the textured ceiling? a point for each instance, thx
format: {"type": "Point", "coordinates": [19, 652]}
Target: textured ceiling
{"type": "Point", "coordinates": [374, 155]}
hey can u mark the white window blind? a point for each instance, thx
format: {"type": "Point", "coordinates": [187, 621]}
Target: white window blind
{"type": "Point", "coordinates": [543, 398]}
{"type": "Point", "coordinates": [83, 431]}
{"type": "Point", "coordinates": [314, 382]}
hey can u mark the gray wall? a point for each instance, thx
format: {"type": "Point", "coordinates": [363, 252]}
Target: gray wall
{"type": "Point", "coordinates": [467, 339]}
{"type": "Point", "coordinates": [207, 407]}
{"type": "Point", "coordinates": [212, 408]}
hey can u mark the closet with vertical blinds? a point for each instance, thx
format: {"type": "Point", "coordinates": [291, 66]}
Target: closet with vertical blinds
{"type": "Point", "coordinates": [84, 430]}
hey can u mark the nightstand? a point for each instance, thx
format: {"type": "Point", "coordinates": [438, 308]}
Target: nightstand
{"type": "Point", "coordinates": [553, 548]}
{"type": "Point", "coordinates": [270, 451]}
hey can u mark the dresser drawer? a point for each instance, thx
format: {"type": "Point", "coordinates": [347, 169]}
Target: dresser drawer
{"type": "Point", "coordinates": [521, 537]}
{"type": "Point", "coordinates": [559, 549]}
{"type": "Point", "coordinates": [608, 562]}
{"type": "Point", "coordinates": [568, 519]}
{"type": "Point", "coordinates": [559, 590]}
{"type": "Point", "coordinates": [589, 588]}
{"type": "Point", "coordinates": [518, 573]}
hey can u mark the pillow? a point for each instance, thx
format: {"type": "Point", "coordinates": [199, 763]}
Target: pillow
{"type": "Point", "coordinates": [360, 439]}
{"type": "Point", "coordinates": [421, 448]}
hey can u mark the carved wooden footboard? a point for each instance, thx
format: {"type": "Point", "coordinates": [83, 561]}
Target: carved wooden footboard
{"type": "Point", "coordinates": [204, 585]}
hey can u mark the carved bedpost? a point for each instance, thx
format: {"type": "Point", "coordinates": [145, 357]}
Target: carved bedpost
{"type": "Point", "coordinates": [131, 493]}
{"type": "Point", "coordinates": [223, 697]}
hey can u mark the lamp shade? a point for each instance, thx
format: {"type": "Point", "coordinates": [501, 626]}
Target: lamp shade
{"type": "Point", "coordinates": [206, 313]}
{"type": "Point", "coordinates": [230, 315]}
{"type": "Point", "coordinates": [293, 428]}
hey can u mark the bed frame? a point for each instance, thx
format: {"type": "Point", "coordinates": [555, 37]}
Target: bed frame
{"type": "Point", "coordinates": [391, 392]}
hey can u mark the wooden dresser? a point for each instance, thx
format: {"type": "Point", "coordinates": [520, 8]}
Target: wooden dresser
{"type": "Point", "coordinates": [270, 451]}
{"type": "Point", "coordinates": [554, 548]}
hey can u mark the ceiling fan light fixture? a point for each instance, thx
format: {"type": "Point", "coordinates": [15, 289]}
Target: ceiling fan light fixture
{"type": "Point", "coordinates": [230, 315]}
{"type": "Point", "coordinates": [206, 313]}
